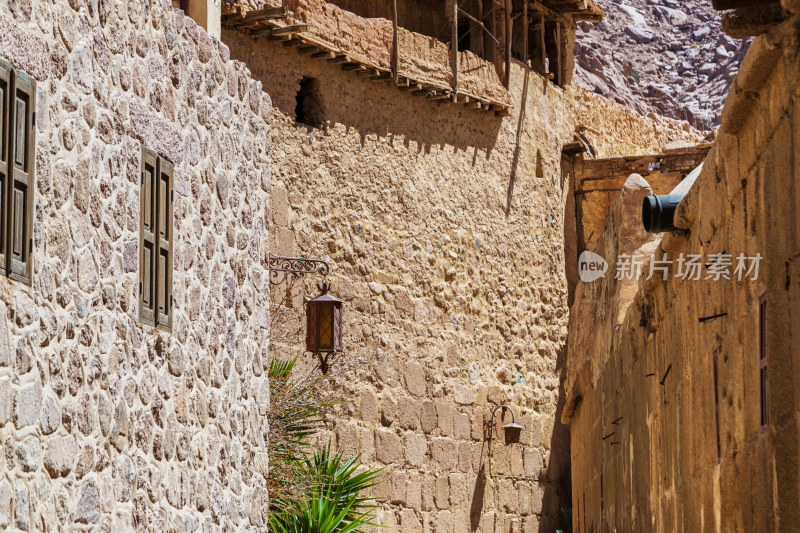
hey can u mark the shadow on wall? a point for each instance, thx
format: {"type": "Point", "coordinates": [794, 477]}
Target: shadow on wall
{"type": "Point", "coordinates": [296, 82]}
{"type": "Point", "coordinates": [557, 488]}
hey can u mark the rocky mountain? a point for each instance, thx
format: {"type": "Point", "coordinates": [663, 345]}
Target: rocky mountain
{"type": "Point", "coordinates": [667, 57]}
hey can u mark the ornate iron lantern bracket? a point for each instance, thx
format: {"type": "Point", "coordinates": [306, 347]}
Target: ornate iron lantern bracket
{"type": "Point", "coordinates": [294, 268]}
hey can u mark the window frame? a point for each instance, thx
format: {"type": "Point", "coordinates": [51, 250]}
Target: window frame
{"type": "Point", "coordinates": [156, 234]}
{"type": "Point", "coordinates": [17, 179]}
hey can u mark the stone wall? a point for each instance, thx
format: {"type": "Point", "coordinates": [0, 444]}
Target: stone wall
{"type": "Point", "coordinates": [641, 381]}
{"type": "Point", "coordinates": [616, 131]}
{"type": "Point", "coordinates": [453, 280]}
{"type": "Point", "coordinates": [105, 422]}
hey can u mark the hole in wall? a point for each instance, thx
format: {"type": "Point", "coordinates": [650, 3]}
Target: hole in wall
{"type": "Point", "coordinates": [308, 109]}
{"type": "Point", "coordinates": [539, 164]}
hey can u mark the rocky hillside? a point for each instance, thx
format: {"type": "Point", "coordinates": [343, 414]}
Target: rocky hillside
{"type": "Point", "coordinates": [668, 57]}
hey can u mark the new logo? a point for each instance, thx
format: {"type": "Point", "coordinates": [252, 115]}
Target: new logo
{"type": "Point", "coordinates": [591, 267]}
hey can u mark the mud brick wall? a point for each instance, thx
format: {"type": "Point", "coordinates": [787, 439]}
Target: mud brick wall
{"type": "Point", "coordinates": [106, 423]}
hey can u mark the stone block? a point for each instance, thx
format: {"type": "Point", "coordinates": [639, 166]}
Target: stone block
{"type": "Point", "coordinates": [459, 494]}
{"type": "Point", "coordinates": [369, 405]}
{"type": "Point", "coordinates": [427, 417]}
{"type": "Point", "coordinates": [60, 454]}
{"type": "Point", "coordinates": [465, 456]}
{"type": "Point", "coordinates": [388, 446]}
{"type": "Point", "coordinates": [408, 412]}
{"type": "Point", "coordinates": [28, 405]}
{"type": "Point", "coordinates": [366, 443]}
{"type": "Point", "coordinates": [462, 426]}
{"type": "Point", "coordinates": [428, 491]}
{"type": "Point", "coordinates": [461, 521]}
{"type": "Point", "coordinates": [399, 487]}
{"type": "Point", "coordinates": [6, 500]}
{"type": "Point", "coordinates": [463, 395]}
{"type": "Point", "coordinates": [414, 491]}
{"type": "Point", "coordinates": [415, 448]}
{"type": "Point", "coordinates": [442, 492]}
{"type": "Point", "coordinates": [444, 414]}
{"type": "Point", "coordinates": [414, 377]}
{"type": "Point", "coordinates": [29, 454]}
{"type": "Point", "coordinates": [279, 206]}
{"type": "Point", "coordinates": [533, 462]}
{"type": "Point", "coordinates": [7, 394]}
{"type": "Point", "coordinates": [409, 522]}
{"type": "Point", "coordinates": [443, 453]}
{"type": "Point", "coordinates": [347, 438]}
{"type": "Point", "coordinates": [22, 509]}
{"type": "Point", "coordinates": [530, 524]}
{"type": "Point", "coordinates": [444, 521]}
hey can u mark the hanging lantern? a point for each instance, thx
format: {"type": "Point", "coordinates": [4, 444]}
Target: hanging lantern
{"type": "Point", "coordinates": [512, 431]}
{"type": "Point", "coordinates": [324, 325]}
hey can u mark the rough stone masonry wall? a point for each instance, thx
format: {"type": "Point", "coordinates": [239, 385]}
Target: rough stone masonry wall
{"type": "Point", "coordinates": [642, 353]}
{"type": "Point", "coordinates": [104, 422]}
{"type": "Point", "coordinates": [450, 301]}
{"type": "Point", "coordinates": [616, 131]}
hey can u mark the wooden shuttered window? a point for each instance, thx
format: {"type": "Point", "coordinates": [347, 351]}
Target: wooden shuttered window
{"type": "Point", "coordinates": [5, 113]}
{"type": "Point", "coordinates": [155, 241]}
{"type": "Point", "coordinates": [17, 165]}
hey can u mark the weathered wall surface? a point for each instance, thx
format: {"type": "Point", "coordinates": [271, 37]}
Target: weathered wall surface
{"type": "Point", "coordinates": [452, 301]}
{"type": "Point", "coordinates": [105, 422]}
{"type": "Point", "coordinates": [615, 131]}
{"type": "Point", "coordinates": [599, 181]}
{"type": "Point", "coordinates": [421, 57]}
{"type": "Point", "coordinates": [643, 375]}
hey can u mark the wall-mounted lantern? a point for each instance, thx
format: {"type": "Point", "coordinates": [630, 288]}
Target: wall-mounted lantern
{"type": "Point", "coordinates": [323, 312]}
{"type": "Point", "coordinates": [512, 431]}
{"type": "Point", "coordinates": [324, 326]}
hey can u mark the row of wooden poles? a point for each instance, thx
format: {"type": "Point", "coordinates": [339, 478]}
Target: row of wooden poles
{"type": "Point", "coordinates": [491, 32]}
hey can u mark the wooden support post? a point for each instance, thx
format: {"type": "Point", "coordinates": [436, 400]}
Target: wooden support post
{"type": "Point", "coordinates": [481, 48]}
{"type": "Point", "coordinates": [454, 46]}
{"type": "Point", "coordinates": [525, 29]}
{"type": "Point", "coordinates": [559, 79]}
{"type": "Point", "coordinates": [493, 31]}
{"type": "Point", "coordinates": [507, 75]}
{"type": "Point", "coordinates": [395, 45]}
{"type": "Point", "coordinates": [543, 44]}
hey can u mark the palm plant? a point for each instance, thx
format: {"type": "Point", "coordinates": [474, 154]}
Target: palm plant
{"type": "Point", "coordinates": [333, 503]}
{"type": "Point", "coordinates": [296, 413]}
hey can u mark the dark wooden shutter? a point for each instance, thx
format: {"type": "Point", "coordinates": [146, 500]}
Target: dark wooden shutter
{"type": "Point", "coordinates": [164, 267]}
{"type": "Point", "coordinates": [21, 183]}
{"type": "Point", "coordinates": [5, 122]}
{"type": "Point", "coordinates": [147, 237]}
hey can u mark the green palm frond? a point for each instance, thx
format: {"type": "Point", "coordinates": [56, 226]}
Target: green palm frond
{"type": "Point", "coordinates": [334, 503]}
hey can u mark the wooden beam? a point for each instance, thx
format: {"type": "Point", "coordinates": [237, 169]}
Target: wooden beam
{"type": "Point", "coordinates": [322, 54]}
{"type": "Point", "coordinates": [268, 13]}
{"type": "Point", "coordinates": [289, 30]}
{"type": "Point", "coordinates": [352, 66]}
{"type": "Point", "coordinates": [339, 59]}
{"type": "Point", "coordinates": [454, 45]}
{"type": "Point", "coordinates": [559, 72]}
{"type": "Point", "coordinates": [479, 23]}
{"type": "Point", "coordinates": [395, 44]}
{"type": "Point", "coordinates": [507, 74]}
{"type": "Point", "coordinates": [525, 30]}
{"type": "Point", "coordinates": [281, 31]}
{"type": "Point", "coordinates": [722, 5]}
{"type": "Point", "coordinates": [483, 36]}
